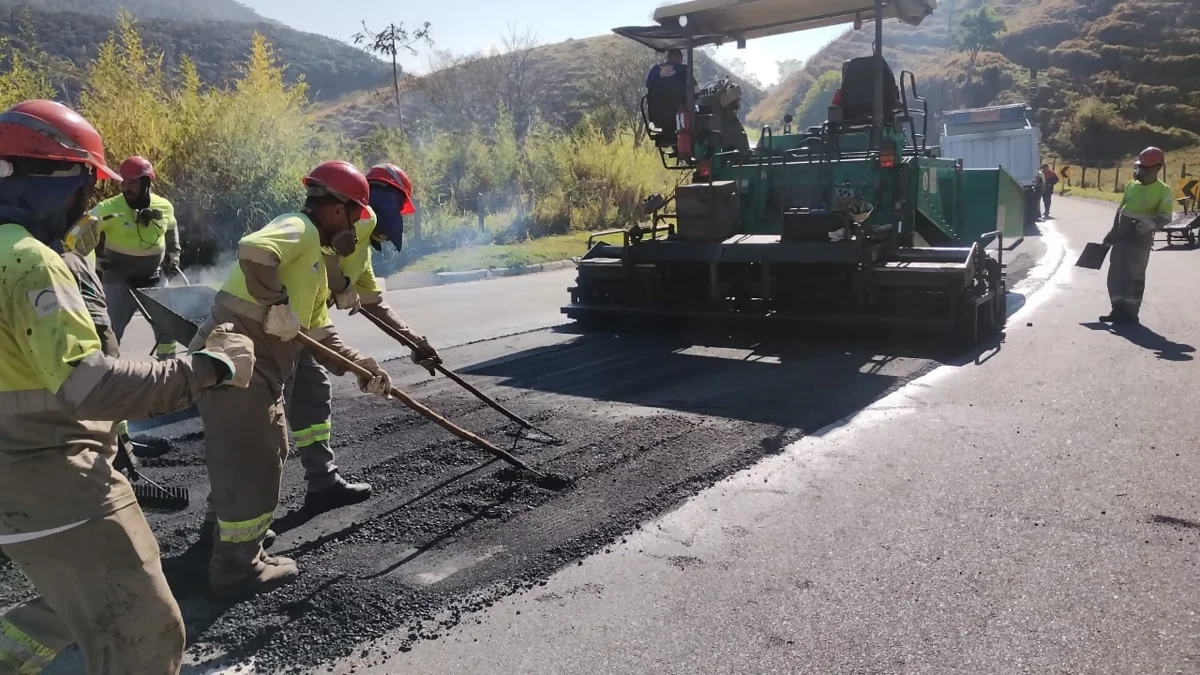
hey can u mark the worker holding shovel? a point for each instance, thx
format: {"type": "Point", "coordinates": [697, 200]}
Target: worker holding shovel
{"type": "Point", "coordinates": [1147, 205]}
{"type": "Point", "coordinates": [275, 294]}
{"type": "Point", "coordinates": [352, 286]}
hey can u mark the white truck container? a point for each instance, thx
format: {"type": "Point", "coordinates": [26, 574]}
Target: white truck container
{"type": "Point", "coordinates": [998, 136]}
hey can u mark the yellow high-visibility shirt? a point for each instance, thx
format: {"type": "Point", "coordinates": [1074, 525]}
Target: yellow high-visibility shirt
{"type": "Point", "coordinates": [1148, 201]}
{"type": "Point", "coordinates": [293, 243]}
{"type": "Point", "coordinates": [124, 235]}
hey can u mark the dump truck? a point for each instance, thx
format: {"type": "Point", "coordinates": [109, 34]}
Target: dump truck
{"type": "Point", "coordinates": [997, 136]}
{"type": "Point", "coordinates": [857, 222]}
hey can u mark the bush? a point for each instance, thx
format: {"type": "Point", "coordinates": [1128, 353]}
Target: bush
{"type": "Point", "coordinates": [231, 158]}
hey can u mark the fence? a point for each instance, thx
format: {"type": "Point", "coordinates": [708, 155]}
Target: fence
{"type": "Point", "coordinates": [1110, 176]}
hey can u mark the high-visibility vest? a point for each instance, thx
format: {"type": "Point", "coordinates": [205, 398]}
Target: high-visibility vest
{"type": "Point", "coordinates": [125, 235]}
{"type": "Point", "coordinates": [1148, 201]}
{"type": "Point", "coordinates": [293, 243]}
{"type": "Point", "coordinates": [47, 478]}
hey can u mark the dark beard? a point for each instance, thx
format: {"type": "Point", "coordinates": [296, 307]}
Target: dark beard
{"type": "Point", "coordinates": [141, 202]}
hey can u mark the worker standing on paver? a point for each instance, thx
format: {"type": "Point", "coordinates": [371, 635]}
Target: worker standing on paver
{"type": "Point", "coordinates": [353, 286]}
{"type": "Point", "coordinates": [140, 241]}
{"type": "Point", "coordinates": [278, 289]}
{"type": "Point", "coordinates": [1147, 205]}
{"type": "Point", "coordinates": [67, 518]}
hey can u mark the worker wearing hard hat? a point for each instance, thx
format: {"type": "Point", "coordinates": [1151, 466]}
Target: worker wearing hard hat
{"type": "Point", "coordinates": [140, 243]}
{"type": "Point", "coordinates": [353, 286]}
{"type": "Point", "coordinates": [67, 518]}
{"type": "Point", "coordinates": [1147, 205]}
{"type": "Point", "coordinates": [277, 290]}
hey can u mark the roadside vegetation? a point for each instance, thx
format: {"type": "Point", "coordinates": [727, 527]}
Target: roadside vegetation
{"type": "Point", "coordinates": [231, 156]}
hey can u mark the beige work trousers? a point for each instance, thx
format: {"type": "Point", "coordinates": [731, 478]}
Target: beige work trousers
{"type": "Point", "coordinates": [101, 586]}
{"type": "Point", "coordinates": [246, 445]}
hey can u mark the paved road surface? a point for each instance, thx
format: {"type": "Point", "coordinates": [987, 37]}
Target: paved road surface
{"type": "Point", "coordinates": [649, 421]}
{"type": "Point", "coordinates": [450, 315]}
{"type": "Point", "coordinates": [1033, 513]}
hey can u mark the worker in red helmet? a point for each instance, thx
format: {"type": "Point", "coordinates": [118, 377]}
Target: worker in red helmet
{"type": "Point", "coordinates": [139, 244]}
{"type": "Point", "coordinates": [67, 517]}
{"type": "Point", "coordinates": [1147, 205]}
{"type": "Point", "coordinates": [352, 286]}
{"type": "Point", "coordinates": [277, 290]}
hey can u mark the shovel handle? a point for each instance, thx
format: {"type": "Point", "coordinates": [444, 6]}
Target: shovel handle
{"type": "Point", "coordinates": [411, 344]}
{"type": "Point", "coordinates": [414, 405]}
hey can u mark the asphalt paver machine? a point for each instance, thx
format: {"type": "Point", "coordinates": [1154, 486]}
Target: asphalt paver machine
{"type": "Point", "coordinates": [857, 221]}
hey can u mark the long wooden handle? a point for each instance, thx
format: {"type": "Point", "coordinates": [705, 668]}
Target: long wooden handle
{"type": "Point", "coordinates": [420, 409]}
{"type": "Point", "coordinates": [411, 344]}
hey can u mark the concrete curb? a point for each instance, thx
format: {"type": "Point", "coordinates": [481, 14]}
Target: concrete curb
{"type": "Point", "coordinates": [410, 280]}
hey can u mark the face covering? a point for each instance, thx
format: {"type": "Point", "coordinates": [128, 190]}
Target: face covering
{"type": "Point", "coordinates": [344, 242]}
{"type": "Point", "coordinates": [48, 206]}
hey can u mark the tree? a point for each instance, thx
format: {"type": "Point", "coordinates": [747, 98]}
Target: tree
{"type": "Point", "coordinates": [814, 109]}
{"type": "Point", "coordinates": [622, 83]}
{"type": "Point", "coordinates": [388, 42]}
{"type": "Point", "coordinates": [740, 71]}
{"type": "Point", "coordinates": [980, 31]}
{"type": "Point", "coordinates": [787, 67]}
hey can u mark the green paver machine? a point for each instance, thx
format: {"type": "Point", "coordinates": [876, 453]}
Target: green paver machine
{"type": "Point", "coordinates": [856, 221]}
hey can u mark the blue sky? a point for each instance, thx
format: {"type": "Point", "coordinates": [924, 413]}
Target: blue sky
{"type": "Point", "coordinates": [465, 26]}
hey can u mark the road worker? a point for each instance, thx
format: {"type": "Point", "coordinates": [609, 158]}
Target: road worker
{"type": "Point", "coordinates": [353, 286]}
{"type": "Point", "coordinates": [277, 289]}
{"type": "Point", "coordinates": [140, 246]}
{"type": "Point", "coordinates": [1147, 205]}
{"type": "Point", "coordinates": [67, 517]}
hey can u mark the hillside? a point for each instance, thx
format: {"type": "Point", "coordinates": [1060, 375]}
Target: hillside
{"type": "Point", "coordinates": [331, 68]}
{"type": "Point", "coordinates": [1139, 57]}
{"type": "Point", "coordinates": [177, 10]}
{"type": "Point", "coordinates": [560, 83]}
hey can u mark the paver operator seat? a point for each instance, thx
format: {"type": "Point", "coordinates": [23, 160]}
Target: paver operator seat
{"type": "Point", "coordinates": [666, 97]}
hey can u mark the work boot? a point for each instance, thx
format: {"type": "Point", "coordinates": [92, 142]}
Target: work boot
{"type": "Point", "coordinates": [208, 534]}
{"type": "Point", "coordinates": [1115, 316]}
{"type": "Point", "coordinates": [267, 574]}
{"type": "Point", "coordinates": [338, 494]}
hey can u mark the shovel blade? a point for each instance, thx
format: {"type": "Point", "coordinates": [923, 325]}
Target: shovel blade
{"type": "Point", "coordinates": [177, 311]}
{"type": "Point", "coordinates": [1093, 256]}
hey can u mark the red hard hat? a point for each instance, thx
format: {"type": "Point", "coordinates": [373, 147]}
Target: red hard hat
{"type": "Point", "coordinates": [1151, 157]}
{"type": "Point", "coordinates": [43, 129]}
{"type": "Point", "coordinates": [390, 174]}
{"type": "Point", "coordinates": [342, 179]}
{"type": "Point", "coordinates": [136, 167]}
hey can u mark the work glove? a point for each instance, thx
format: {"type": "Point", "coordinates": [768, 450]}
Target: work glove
{"type": "Point", "coordinates": [233, 350]}
{"type": "Point", "coordinates": [171, 263]}
{"type": "Point", "coordinates": [380, 384]}
{"type": "Point", "coordinates": [348, 299]}
{"type": "Point", "coordinates": [282, 322]}
{"type": "Point", "coordinates": [426, 356]}
{"type": "Point", "coordinates": [1146, 225]}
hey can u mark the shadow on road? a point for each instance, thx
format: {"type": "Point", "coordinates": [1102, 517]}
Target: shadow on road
{"type": "Point", "coordinates": [1147, 338]}
{"type": "Point", "coordinates": [775, 382]}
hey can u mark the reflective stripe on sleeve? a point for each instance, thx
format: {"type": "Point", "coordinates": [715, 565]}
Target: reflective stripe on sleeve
{"type": "Point", "coordinates": [87, 374]}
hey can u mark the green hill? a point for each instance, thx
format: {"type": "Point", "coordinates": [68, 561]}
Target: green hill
{"type": "Point", "coordinates": [331, 68]}
{"type": "Point", "coordinates": [1138, 58]}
